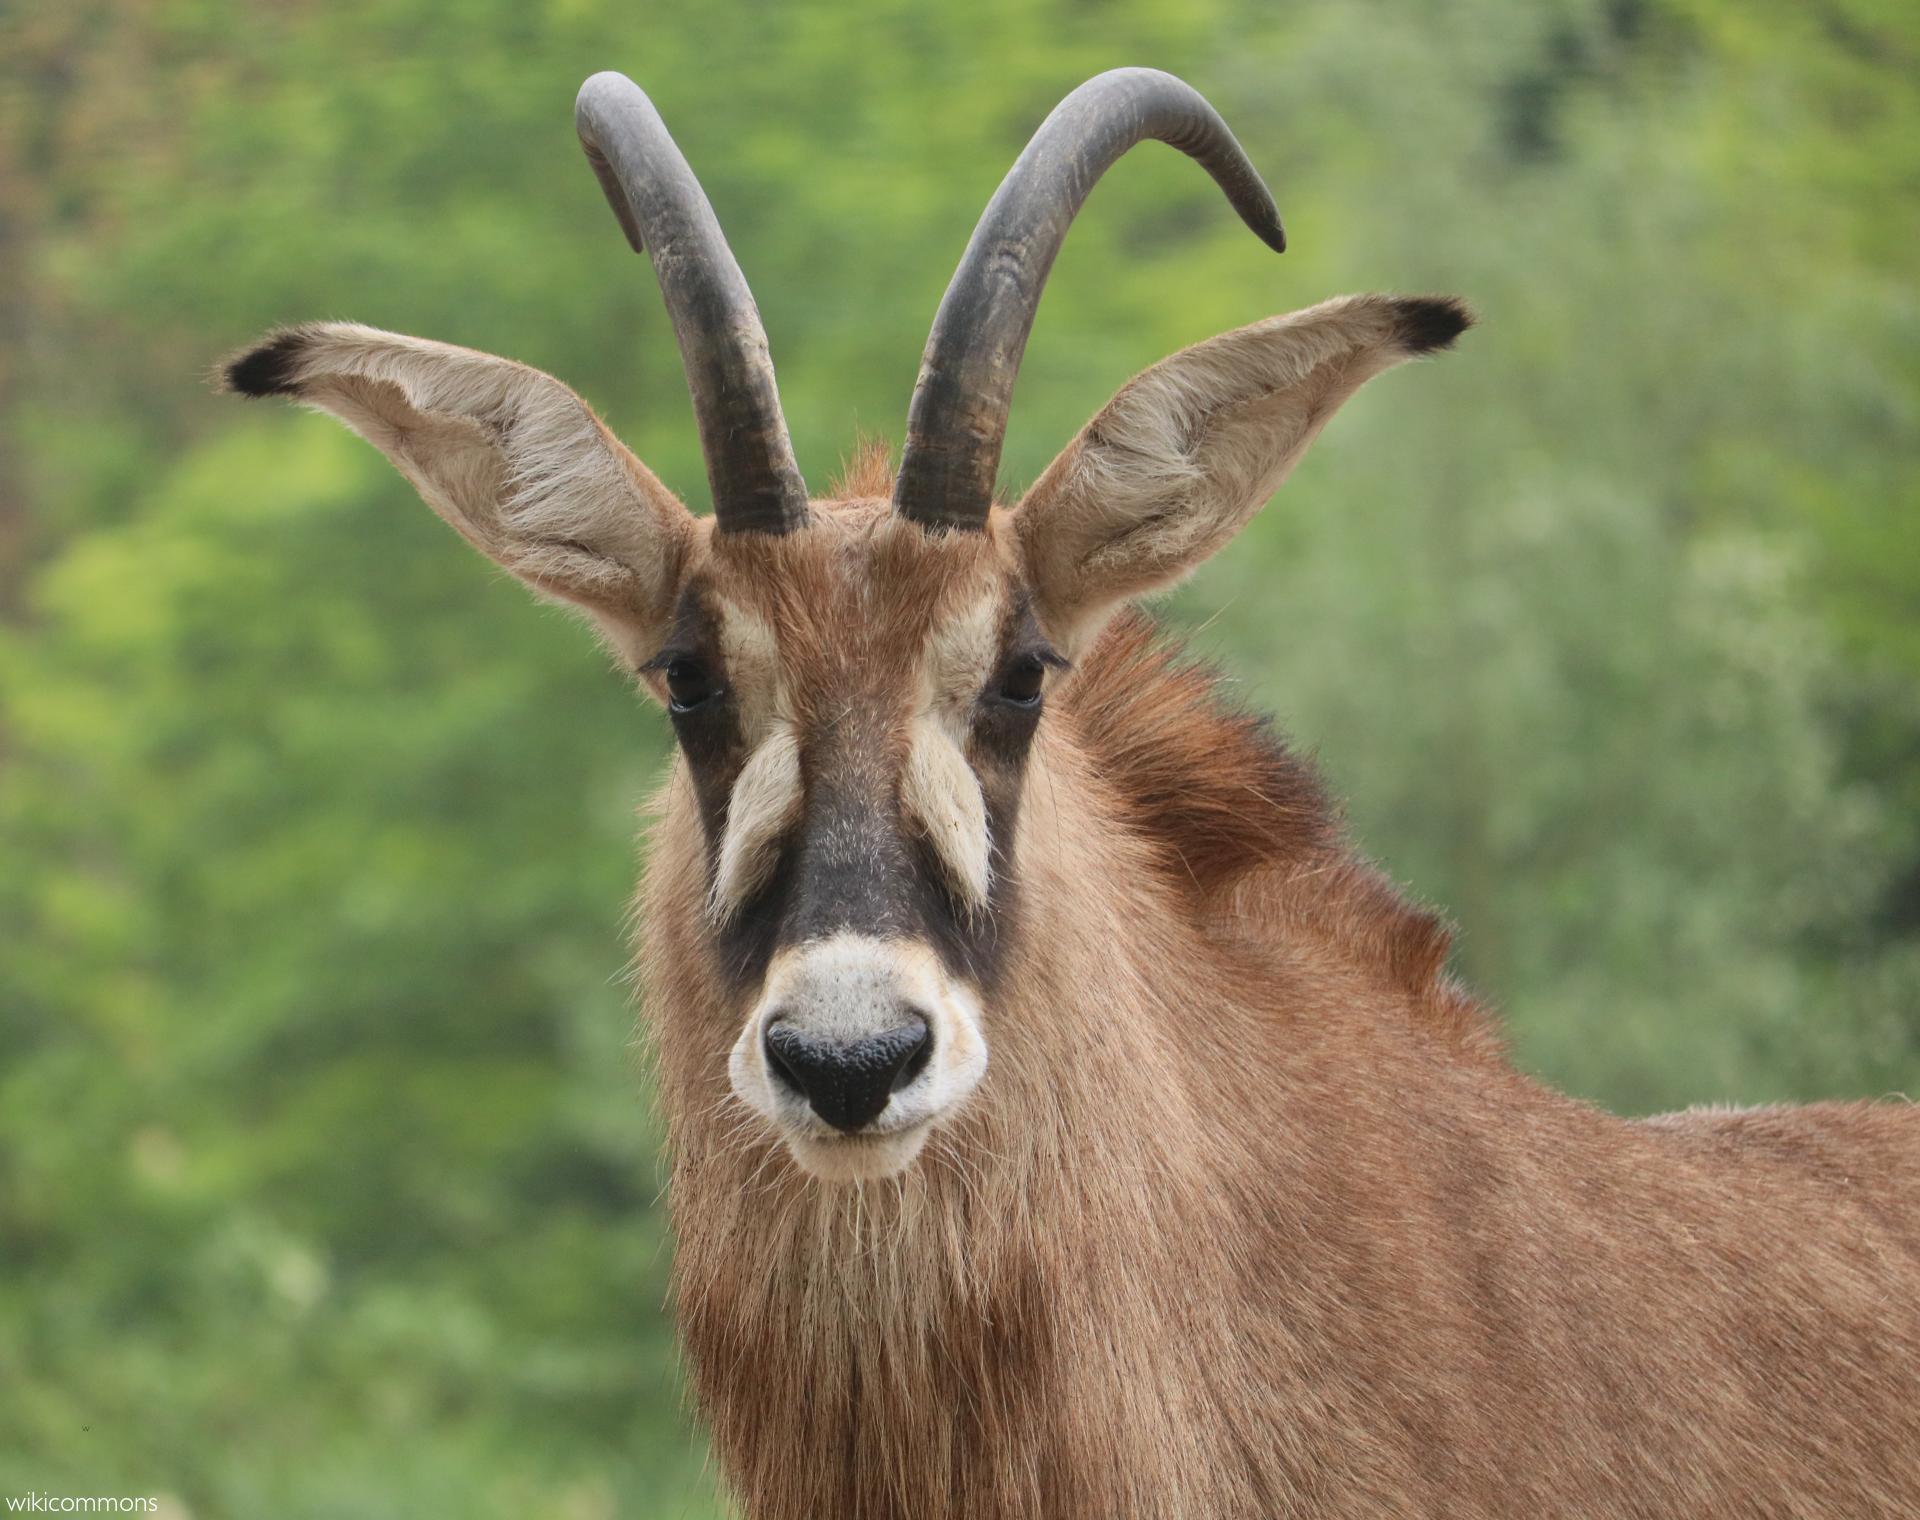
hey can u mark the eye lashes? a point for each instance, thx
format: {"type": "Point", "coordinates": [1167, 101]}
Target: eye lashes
{"type": "Point", "coordinates": [665, 658]}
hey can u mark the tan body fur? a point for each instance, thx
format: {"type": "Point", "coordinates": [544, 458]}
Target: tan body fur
{"type": "Point", "coordinates": [1252, 1218]}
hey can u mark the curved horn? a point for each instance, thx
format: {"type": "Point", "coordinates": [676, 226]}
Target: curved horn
{"type": "Point", "coordinates": [756, 485]}
{"type": "Point", "coordinates": [959, 414]}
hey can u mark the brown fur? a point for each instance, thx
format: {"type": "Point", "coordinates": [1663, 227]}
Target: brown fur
{"type": "Point", "coordinates": [1248, 1218]}
{"type": "Point", "coordinates": [1221, 796]}
{"type": "Point", "coordinates": [867, 471]}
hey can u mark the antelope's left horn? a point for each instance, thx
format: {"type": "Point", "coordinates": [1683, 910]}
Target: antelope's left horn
{"type": "Point", "coordinates": [750, 468]}
{"type": "Point", "coordinates": [959, 415]}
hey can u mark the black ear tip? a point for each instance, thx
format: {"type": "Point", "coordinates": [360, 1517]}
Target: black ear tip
{"type": "Point", "coordinates": [1431, 323]}
{"type": "Point", "coordinates": [269, 369]}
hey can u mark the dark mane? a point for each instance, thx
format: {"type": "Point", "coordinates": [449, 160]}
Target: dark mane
{"type": "Point", "coordinates": [1209, 780]}
{"type": "Point", "coordinates": [1230, 805]}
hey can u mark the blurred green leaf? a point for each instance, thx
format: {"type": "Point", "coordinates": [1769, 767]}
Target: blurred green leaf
{"type": "Point", "coordinates": [326, 1188]}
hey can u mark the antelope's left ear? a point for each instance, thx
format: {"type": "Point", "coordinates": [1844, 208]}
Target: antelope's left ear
{"type": "Point", "coordinates": [1190, 449]}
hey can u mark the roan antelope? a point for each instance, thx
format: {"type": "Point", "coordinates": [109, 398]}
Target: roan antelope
{"type": "Point", "coordinates": [1064, 1120]}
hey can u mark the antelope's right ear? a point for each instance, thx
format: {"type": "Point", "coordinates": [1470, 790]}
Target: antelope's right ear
{"type": "Point", "coordinates": [514, 460]}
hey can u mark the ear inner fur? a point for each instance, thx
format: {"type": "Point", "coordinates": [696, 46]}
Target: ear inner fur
{"type": "Point", "coordinates": [509, 457]}
{"type": "Point", "coordinates": [1188, 450]}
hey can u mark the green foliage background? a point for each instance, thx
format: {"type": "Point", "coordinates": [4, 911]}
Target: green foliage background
{"type": "Point", "coordinates": [327, 1185]}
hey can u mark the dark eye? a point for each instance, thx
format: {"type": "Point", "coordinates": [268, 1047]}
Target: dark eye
{"type": "Point", "coordinates": [689, 684]}
{"type": "Point", "coordinates": [1021, 681]}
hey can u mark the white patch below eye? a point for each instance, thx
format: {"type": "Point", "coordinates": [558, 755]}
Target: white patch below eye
{"type": "Point", "coordinates": [943, 796]}
{"type": "Point", "coordinates": [764, 806]}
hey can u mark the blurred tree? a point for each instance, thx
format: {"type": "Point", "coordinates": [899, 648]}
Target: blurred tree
{"type": "Point", "coordinates": [324, 1188]}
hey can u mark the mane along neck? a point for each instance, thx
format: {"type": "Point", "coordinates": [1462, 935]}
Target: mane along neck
{"type": "Point", "coordinates": [1240, 830]}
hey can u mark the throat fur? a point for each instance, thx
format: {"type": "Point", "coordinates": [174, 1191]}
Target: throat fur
{"type": "Point", "coordinates": [950, 1344]}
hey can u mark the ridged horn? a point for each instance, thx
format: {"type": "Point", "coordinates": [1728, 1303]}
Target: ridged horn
{"type": "Point", "coordinates": [756, 484]}
{"type": "Point", "coordinates": [958, 419]}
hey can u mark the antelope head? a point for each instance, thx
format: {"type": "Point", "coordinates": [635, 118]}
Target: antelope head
{"type": "Point", "coordinates": [856, 684]}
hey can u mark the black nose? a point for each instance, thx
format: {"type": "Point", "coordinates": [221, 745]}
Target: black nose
{"type": "Point", "coordinates": [848, 1082]}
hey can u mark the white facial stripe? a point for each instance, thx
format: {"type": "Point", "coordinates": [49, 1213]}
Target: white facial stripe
{"type": "Point", "coordinates": [751, 656]}
{"type": "Point", "coordinates": [939, 790]}
{"type": "Point", "coordinates": [942, 794]}
{"type": "Point", "coordinates": [764, 806]}
{"type": "Point", "coordinates": [960, 655]}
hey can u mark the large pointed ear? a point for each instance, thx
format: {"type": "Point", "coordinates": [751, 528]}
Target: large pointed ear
{"type": "Point", "coordinates": [509, 456]}
{"type": "Point", "coordinates": [1191, 448]}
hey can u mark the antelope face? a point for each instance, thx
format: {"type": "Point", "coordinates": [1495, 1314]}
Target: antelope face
{"type": "Point", "coordinates": [855, 685]}
{"type": "Point", "coordinates": [854, 702]}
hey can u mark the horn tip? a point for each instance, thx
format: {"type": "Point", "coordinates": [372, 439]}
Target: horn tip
{"type": "Point", "coordinates": [600, 89]}
{"type": "Point", "coordinates": [599, 97]}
